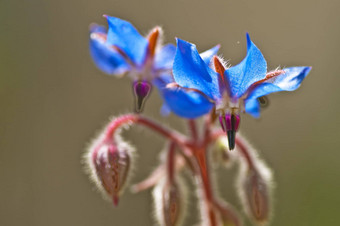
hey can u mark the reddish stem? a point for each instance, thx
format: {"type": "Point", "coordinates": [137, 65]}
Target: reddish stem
{"type": "Point", "coordinates": [194, 150]}
{"type": "Point", "coordinates": [193, 129]}
{"type": "Point", "coordinates": [157, 174]}
{"type": "Point", "coordinates": [244, 151]}
{"type": "Point", "coordinates": [207, 130]}
{"type": "Point", "coordinates": [171, 162]}
{"type": "Point", "coordinates": [118, 122]}
{"type": "Point", "coordinates": [201, 158]}
{"type": "Point", "coordinates": [240, 143]}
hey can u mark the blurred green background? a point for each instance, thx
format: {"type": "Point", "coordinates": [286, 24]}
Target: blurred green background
{"type": "Point", "coordinates": [53, 100]}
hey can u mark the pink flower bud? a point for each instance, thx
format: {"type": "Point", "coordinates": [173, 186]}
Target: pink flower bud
{"type": "Point", "coordinates": [169, 202]}
{"type": "Point", "coordinates": [109, 162]}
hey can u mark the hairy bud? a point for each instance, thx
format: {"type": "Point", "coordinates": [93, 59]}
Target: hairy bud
{"type": "Point", "coordinates": [255, 187]}
{"type": "Point", "coordinates": [109, 162]}
{"type": "Point", "coordinates": [257, 198]}
{"type": "Point", "coordinates": [169, 202]}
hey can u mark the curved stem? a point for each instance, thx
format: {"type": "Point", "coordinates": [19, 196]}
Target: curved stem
{"type": "Point", "coordinates": [245, 152]}
{"type": "Point", "coordinates": [118, 122]}
{"type": "Point", "coordinates": [241, 144]}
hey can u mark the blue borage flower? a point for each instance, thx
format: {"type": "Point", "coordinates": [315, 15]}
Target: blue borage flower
{"type": "Point", "coordinates": [227, 91]}
{"type": "Point", "coordinates": [178, 100]}
{"type": "Point", "coordinates": [121, 50]}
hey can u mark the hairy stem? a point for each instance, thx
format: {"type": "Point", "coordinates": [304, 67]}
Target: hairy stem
{"type": "Point", "coordinates": [193, 129]}
{"type": "Point", "coordinates": [205, 183]}
{"type": "Point", "coordinates": [171, 162]}
{"type": "Point", "coordinates": [172, 135]}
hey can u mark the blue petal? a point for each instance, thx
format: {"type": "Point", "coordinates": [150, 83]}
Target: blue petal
{"type": "Point", "coordinates": [252, 107]}
{"type": "Point", "coordinates": [252, 69]}
{"type": "Point", "coordinates": [124, 35]}
{"type": "Point", "coordinates": [289, 81]}
{"type": "Point", "coordinates": [186, 104]}
{"type": "Point", "coordinates": [208, 54]}
{"type": "Point", "coordinates": [191, 71]}
{"type": "Point", "coordinates": [262, 90]}
{"type": "Point", "coordinates": [165, 57]}
{"type": "Point", "coordinates": [104, 56]}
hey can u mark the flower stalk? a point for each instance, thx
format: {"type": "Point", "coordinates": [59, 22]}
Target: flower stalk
{"type": "Point", "coordinates": [192, 85]}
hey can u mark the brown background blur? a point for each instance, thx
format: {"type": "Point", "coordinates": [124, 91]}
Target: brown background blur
{"type": "Point", "coordinates": [53, 100]}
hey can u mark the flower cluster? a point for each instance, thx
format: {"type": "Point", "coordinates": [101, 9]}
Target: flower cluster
{"type": "Point", "coordinates": [192, 85]}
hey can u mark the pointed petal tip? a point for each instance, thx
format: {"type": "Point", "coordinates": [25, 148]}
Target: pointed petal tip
{"type": "Point", "coordinates": [216, 47]}
{"type": "Point", "coordinates": [179, 41]}
{"type": "Point", "coordinates": [249, 42]}
{"type": "Point", "coordinates": [183, 42]}
{"type": "Point", "coordinates": [306, 70]}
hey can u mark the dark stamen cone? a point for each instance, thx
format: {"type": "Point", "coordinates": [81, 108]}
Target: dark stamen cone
{"type": "Point", "coordinates": [141, 90]}
{"type": "Point", "coordinates": [230, 124]}
{"type": "Point", "coordinates": [231, 138]}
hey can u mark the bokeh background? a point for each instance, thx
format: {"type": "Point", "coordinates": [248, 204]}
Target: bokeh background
{"type": "Point", "coordinates": [53, 100]}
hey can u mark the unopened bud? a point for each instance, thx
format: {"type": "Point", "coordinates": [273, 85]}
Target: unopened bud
{"type": "Point", "coordinates": [169, 202]}
{"type": "Point", "coordinates": [254, 184]}
{"type": "Point", "coordinates": [141, 90]}
{"type": "Point", "coordinates": [109, 163]}
{"type": "Point", "coordinates": [256, 196]}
